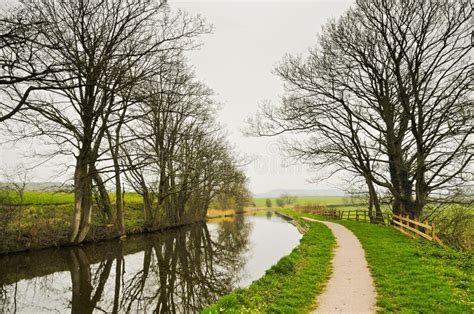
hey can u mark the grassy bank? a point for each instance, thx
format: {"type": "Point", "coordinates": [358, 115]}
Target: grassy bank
{"type": "Point", "coordinates": [48, 226]}
{"type": "Point", "coordinates": [291, 285]}
{"type": "Point", "coordinates": [414, 275]}
{"type": "Point", "coordinates": [46, 222]}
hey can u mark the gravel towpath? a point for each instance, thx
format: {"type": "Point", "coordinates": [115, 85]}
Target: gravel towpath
{"type": "Point", "coordinates": [350, 288]}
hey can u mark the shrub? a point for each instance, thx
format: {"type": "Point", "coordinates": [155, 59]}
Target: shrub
{"type": "Point", "coordinates": [268, 202]}
{"type": "Point", "coordinates": [455, 225]}
{"type": "Point", "coordinates": [280, 202]}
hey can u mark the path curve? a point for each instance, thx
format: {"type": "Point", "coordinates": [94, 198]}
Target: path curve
{"type": "Point", "coordinates": [350, 288]}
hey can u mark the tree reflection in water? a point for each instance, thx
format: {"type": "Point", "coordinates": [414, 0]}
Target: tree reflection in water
{"type": "Point", "coordinates": [180, 270]}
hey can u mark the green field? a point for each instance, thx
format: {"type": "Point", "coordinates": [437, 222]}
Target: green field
{"type": "Point", "coordinates": [52, 198]}
{"type": "Point", "coordinates": [44, 219]}
{"type": "Point", "coordinates": [311, 200]}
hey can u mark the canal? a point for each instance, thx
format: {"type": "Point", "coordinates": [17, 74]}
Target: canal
{"type": "Point", "coordinates": [175, 271]}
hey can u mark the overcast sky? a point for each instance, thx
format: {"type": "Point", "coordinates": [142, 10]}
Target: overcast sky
{"type": "Point", "coordinates": [249, 38]}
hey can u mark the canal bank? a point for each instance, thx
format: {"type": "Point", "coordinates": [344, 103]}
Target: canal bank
{"type": "Point", "coordinates": [54, 236]}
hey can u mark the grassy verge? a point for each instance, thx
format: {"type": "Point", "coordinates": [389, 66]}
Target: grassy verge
{"type": "Point", "coordinates": [414, 276]}
{"type": "Point", "coordinates": [292, 284]}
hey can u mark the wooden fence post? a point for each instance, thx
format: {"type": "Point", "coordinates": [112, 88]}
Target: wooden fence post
{"type": "Point", "coordinates": [416, 227]}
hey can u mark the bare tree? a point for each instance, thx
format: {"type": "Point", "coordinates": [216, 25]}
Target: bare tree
{"type": "Point", "coordinates": [385, 95]}
{"type": "Point", "coordinates": [19, 62]}
{"type": "Point", "coordinates": [429, 47]}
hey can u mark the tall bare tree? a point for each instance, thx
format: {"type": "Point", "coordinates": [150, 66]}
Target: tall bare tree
{"type": "Point", "coordinates": [385, 95]}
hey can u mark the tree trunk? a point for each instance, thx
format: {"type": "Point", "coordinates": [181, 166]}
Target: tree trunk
{"type": "Point", "coordinates": [374, 204]}
{"type": "Point", "coordinates": [407, 196]}
{"type": "Point", "coordinates": [104, 195]}
{"type": "Point", "coordinates": [421, 190]}
{"type": "Point", "coordinates": [86, 210]}
{"type": "Point", "coordinates": [76, 219]}
{"type": "Point", "coordinates": [119, 201]}
{"type": "Point", "coordinates": [81, 220]}
{"type": "Point", "coordinates": [120, 222]}
{"type": "Point", "coordinates": [147, 208]}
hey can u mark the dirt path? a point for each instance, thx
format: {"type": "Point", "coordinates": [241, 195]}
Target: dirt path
{"type": "Point", "coordinates": [350, 288]}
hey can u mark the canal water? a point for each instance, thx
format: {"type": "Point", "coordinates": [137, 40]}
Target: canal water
{"type": "Point", "coordinates": [176, 271]}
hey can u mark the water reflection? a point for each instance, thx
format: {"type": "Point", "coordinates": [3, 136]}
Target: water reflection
{"type": "Point", "coordinates": [180, 270]}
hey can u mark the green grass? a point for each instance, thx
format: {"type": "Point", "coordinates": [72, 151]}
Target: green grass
{"type": "Point", "coordinates": [48, 198]}
{"type": "Point", "coordinates": [51, 198]}
{"type": "Point", "coordinates": [290, 286]}
{"type": "Point", "coordinates": [308, 200]}
{"type": "Point", "coordinates": [414, 276]}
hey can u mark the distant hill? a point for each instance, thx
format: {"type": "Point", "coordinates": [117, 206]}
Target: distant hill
{"type": "Point", "coordinates": [44, 186]}
{"type": "Point", "coordinates": [293, 192]}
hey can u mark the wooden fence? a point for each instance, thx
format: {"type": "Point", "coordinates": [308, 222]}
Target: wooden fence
{"type": "Point", "coordinates": [407, 226]}
{"type": "Point", "coordinates": [357, 214]}
{"type": "Point", "coordinates": [362, 215]}
{"type": "Point", "coordinates": [415, 228]}
{"type": "Point", "coordinates": [317, 210]}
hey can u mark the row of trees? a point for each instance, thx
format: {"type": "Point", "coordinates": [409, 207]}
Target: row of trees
{"type": "Point", "coordinates": [284, 199]}
{"type": "Point", "coordinates": [106, 82]}
{"type": "Point", "coordinates": [387, 96]}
